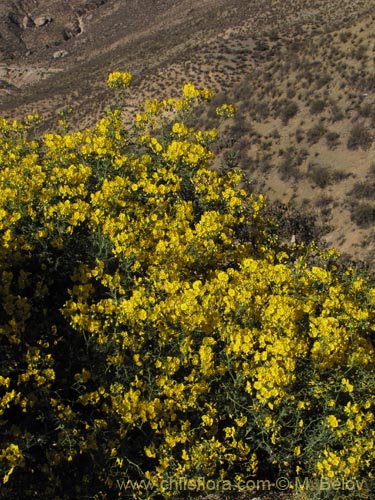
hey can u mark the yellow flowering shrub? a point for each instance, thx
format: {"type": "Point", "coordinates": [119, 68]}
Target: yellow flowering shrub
{"type": "Point", "coordinates": [153, 326]}
{"type": "Point", "coordinates": [226, 110]}
{"type": "Point", "coordinates": [119, 79]}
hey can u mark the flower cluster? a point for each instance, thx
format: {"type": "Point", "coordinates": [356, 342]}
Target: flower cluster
{"type": "Point", "coordinates": [226, 110]}
{"type": "Point", "coordinates": [152, 325]}
{"type": "Point", "coordinates": [119, 79]}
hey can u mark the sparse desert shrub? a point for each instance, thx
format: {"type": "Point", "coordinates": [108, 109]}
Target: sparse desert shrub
{"type": "Point", "coordinates": [363, 214]}
{"type": "Point", "coordinates": [291, 160]}
{"type": "Point", "coordinates": [261, 110]}
{"type": "Point", "coordinates": [367, 109]}
{"type": "Point", "coordinates": [367, 83]}
{"type": "Point", "coordinates": [372, 117]}
{"type": "Point", "coordinates": [339, 175]}
{"type": "Point", "coordinates": [266, 145]}
{"type": "Point", "coordinates": [315, 133]}
{"type": "Point", "coordinates": [317, 106]}
{"type": "Point", "coordinates": [237, 130]}
{"type": "Point", "coordinates": [275, 134]}
{"type": "Point", "coordinates": [360, 53]}
{"type": "Point", "coordinates": [363, 190]}
{"type": "Point", "coordinates": [307, 75]}
{"type": "Point", "coordinates": [322, 80]}
{"type": "Point", "coordinates": [320, 174]}
{"type": "Point", "coordinates": [324, 202]}
{"type": "Point", "coordinates": [261, 45]}
{"type": "Point", "coordinates": [287, 110]}
{"type": "Point", "coordinates": [270, 89]}
{"type": "Point", "coordinates": [299, 134]}
{"type": "Point", "coordinates": [274, 35]}
{"type": "Point", "coordinates": [336, 113]}
{"type": "Point", "coordinates": [262, 163]}
{"type": "Point", "coordinates": [255, 137]}
{"type": "Point", "coordinates": [332, 139]}
{"type": "Point", "coordinates": [268, 75]}
{"type": "Point", "coordinates": [359, 137]}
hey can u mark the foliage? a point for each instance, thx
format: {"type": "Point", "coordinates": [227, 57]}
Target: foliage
{"type": "Point", "coordinates": [332, 139]}
{"type": "Point", "coordinates": [153, 326]}
{"type": "Point", "coordinates": [315, 133]}
{"type": "Point", "coordinates": [287, 110]}
{"type": "Point", "coordinates": [364, 189]}
{"type": "Point", "coordinates": [320, 175]}
{"type": "Point", "coordinates": [317, 106]}
{"type": "Point", "coordinates": [359, 137]}
{"type": "Point", "coordinates": [363, 214]}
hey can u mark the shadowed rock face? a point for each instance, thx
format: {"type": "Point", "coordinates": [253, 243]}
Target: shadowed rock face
{"type": "Point", "coordinates": [29, 26]}
{"type": "Point", "coordinates": [91, 37]}
{"type": "Point", "coordinates": [11, 44]}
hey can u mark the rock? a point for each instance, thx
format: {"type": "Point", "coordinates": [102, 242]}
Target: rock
{"type": "Point", "coordinates": [27, 22]}
{"type": "Point", "coordinates": [90, 5]}
{"type": "Point", "coordinates": [59, 53]}
{"type": "Point", "coordinates": [13, 18]}
{"type": "Point", "coordinates": [8, 87]}
{"type": "Point", "coordinates": [42, 21]}
{"type": "Point", "coordinates": [94, 4]}
{"type": "Point", "coordinates": [71, 30]}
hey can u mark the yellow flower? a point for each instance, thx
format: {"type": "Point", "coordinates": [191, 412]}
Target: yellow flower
{"type": "Point", "coordinates": [226, 110]}
{"type": "Point", "coordinates": [297, 451]}
{"type": "Point", "coordinates": [332, 421]}
{"type": "Point", "coordinates": [119, 79]}
{"type": "Point", "coordinates": [348, 387]}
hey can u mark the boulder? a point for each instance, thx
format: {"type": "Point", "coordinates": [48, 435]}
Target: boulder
{"type": "Point", "coordinates": [71, 30]}
{"type": "Point", "coordinates": [42, 21]}
{"type": "Point", "coordinates": [15, 19]}
{"type": "Point", "coordinates": [59, 53]}
{"type": "Point", "coordinates": [27, 22]}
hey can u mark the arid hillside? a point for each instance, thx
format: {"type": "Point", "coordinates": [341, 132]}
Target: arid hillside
{"type": "Point", "coordinates": [301, 74]}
